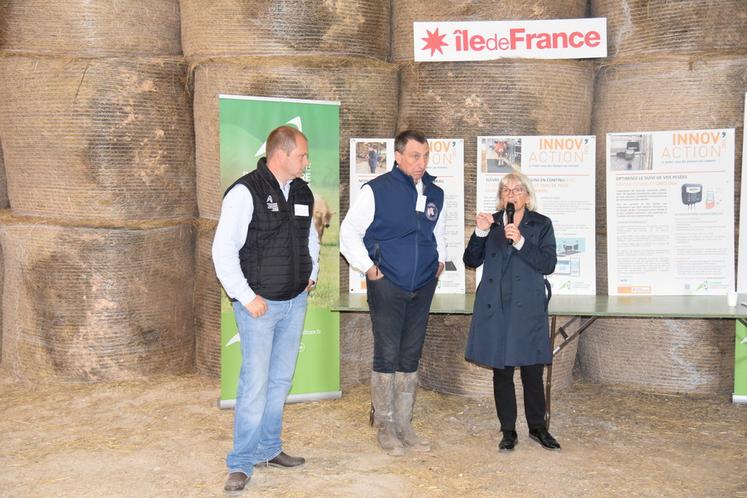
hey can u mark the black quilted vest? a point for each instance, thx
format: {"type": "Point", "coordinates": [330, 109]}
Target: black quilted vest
{"type": "Point", "coordinates": [275, 257]}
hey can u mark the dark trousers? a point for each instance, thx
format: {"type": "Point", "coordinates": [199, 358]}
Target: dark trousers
{"type": "Point", "coordinates": [534, 396]}
{"type": "Point", "coordinates": [399, 320]}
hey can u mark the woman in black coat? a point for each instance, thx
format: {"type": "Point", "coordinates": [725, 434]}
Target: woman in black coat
{"type": "Point", "coordinates": [509, 322]}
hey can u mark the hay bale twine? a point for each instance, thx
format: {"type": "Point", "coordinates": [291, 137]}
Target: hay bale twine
{"type": "Point", "coordinates": [356, 348]}
{"type": "Point", "coordinates": [444, 369]}
{"type": "Point", "coordinates": [367, 90]}
{"type": "Point", "coordinates": [405, 12]}
{"type": "Point", "coordinates": [96, 304]}
{"type": "Point", "coordinates": [660, 355]}
{"type": "Point", "coordinates": [207, 295]}
{"type": "Point", "coordinates": [285, 27]}
{"type": "Point", "coordinates": [702, 93]}
{"type": "Point", "coordinates": [82, 27]}
{"type": "Point", "coordinates": [697, 94]}
{"type": "Point", "coordinates": [469, 99]}
{"type": "Point", "coordinates": [663, 27]}
{"type": "Point", "coordinates": [97, 138]}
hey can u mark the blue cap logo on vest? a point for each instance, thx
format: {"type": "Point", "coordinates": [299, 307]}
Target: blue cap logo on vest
{"type": "Point", "coordinates": [431, 211]}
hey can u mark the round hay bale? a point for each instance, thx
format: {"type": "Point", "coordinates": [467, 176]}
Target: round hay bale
{"type": "Point", "coordinates": [82, 27]}
{"type": "Point", "coordinates": [444, 369]}
{"type": "Point", "coordinates": [637, 28]}
{"type": "Point", "coordinates": [470, 99]}
{"type": "Point", "coordinates": [285, 27]}
{"type": "Point", "coordinates": [367, 90]}
{"type": "Point", "coordinates": [356, 349]}
{"type": "Point", "coordinates": [87, 304]}
{"type": "Point", "coordinates": [207, 295]}
{"type": "Point", "coordinates": [405, 12]}
{"type": "Point", "coordinates": [97, 138]}
{"type": "Point", "coordinates": [698, 94]}
{"type": "Point", "coordinates": [660, 355]}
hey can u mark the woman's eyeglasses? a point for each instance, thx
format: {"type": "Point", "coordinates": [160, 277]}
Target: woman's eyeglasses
{"type": "Point", "coordinates": [515, 190]}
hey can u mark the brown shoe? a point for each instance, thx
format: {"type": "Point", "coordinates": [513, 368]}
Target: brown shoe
{"type": "Point", "coordinates": [283, 460]}
{"type": "Point", "coordinates": [236, 481]}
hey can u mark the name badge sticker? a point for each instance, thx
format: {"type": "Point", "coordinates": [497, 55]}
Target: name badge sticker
{"type": "Point", "coordinates": [301, 209]}
{"type": "Point", "coordinates": [420, 205]}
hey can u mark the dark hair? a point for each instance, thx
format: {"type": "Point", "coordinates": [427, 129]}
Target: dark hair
{"type": "Point", "coordinates": [283, 138]}
{"type": "Point", "coordinates": [401, 140]}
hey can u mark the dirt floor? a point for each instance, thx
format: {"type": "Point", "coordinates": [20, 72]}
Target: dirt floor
{"type": "Point", "coordinates": [166, 437]}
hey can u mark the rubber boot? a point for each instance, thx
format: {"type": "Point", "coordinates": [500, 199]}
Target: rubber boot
{"type": "Point", "coordinates": [382, 395]}
{"type": "Point", "coordinates": [405, 385]}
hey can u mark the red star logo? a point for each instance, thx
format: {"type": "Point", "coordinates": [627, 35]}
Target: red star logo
{"type": "Point", "coordinates": [434, 41]}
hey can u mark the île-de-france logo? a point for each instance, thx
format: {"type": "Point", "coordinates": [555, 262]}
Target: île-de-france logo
{"type": "Point", "coordinates": [434, 41]}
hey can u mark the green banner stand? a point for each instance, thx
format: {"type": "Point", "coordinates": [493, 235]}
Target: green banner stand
{"type": "Point", "coordinates": [245, 123]}
{"type": "Point", "coordinates": [740, 364]}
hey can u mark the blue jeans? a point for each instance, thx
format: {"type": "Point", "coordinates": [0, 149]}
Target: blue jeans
{"type": "Point", "coordinates": [269, 347]}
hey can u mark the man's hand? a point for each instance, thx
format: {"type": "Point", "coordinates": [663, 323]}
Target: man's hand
{"type": "Point", "coordinates": [257, 306]}
{"type": "Point", "coordinates": [311, 285]}
{"type": "Point", "coordinates": [440, 269]}
{"type": "Point", "coordinates": [374, 273]}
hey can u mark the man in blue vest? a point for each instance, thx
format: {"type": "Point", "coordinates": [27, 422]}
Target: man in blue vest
{"type": "Point", "coordinates": [266, 253]}
{"type": "Point", "coordinates": [394, 232]}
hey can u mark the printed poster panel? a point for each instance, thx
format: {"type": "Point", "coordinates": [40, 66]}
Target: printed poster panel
{"type": "Point", "coordinates": [670, 212]}
{"type": "Point", "coordinates": [370, 157]}
{"type": "Point", "coordinates": [562, 172]}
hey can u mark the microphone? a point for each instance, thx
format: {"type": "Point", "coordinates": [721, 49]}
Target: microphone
{"type": "Point", "coordinates": [510, 210]}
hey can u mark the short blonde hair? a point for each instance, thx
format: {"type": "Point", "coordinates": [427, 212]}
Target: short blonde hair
{"type": "Point", "coordinates": [525, 182]}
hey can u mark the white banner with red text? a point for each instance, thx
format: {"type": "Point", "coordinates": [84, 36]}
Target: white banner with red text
{"type": "Point", "coordinates": [488, 40]}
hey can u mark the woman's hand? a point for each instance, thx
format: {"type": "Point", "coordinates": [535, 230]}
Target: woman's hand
{"type": "Point", "coordinates": [513, 233]}
{"type": "Point", "coordinates": [483, 221]}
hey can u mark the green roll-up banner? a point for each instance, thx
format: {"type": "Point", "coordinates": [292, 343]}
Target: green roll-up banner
{"type": "Point", "coordinates": [245, 123]}
{"type": "Point", "coordinates": [740, 365]}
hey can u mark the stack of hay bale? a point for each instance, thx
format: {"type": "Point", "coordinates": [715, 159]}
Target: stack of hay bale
{"type": "Point", "coordinates": [671, 66]}
{"type": "Point", "coordinates": [290, 49]}
{"type": "Point", "coordinates": [97, 140]}
{"type": "Point", "coordinates": [469, 99]}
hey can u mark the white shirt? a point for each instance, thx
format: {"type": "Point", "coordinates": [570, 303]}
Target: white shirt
{"type": "Point", "coordinates": [230, 236]}
{"type": "Point", "coordinates": [359, 218]}
{"type": "Point", "coordinates": [484, 233]}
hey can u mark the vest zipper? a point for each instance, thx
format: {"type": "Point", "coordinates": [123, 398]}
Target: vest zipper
{"type": "Point", "coordinates": [292, 225]}
{"type": "Point", "coordinates": [417, 230]}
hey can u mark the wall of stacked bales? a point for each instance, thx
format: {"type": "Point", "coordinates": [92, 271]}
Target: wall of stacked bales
{"type": "Point", "coordinates": [97, 141]}
{"type": "Point", "coordinates": [111, 195]}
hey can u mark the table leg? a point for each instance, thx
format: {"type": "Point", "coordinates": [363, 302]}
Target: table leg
{"type": "Point", "coordinates": [548, 381]}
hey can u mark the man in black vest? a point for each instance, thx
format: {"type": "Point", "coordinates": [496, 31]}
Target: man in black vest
{"type": "Point", "coordinates": [266, 254]}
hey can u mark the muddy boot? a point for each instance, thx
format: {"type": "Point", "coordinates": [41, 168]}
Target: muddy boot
{"type": "Point", "coordinates": [405, 385]}
{"type": "Point", "coordinates": [382, 395]}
